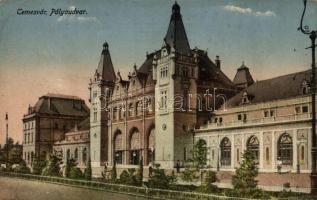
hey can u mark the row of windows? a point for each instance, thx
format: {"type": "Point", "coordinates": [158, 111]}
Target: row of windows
{"type": "Point", "coordinates": [28, 125]}
{"type": "Point", "coordinates": [284, 150]}
{"type": "Point", "coordinates": [136, 109]}
{"type": "Point", "coordinates": [28, 138]}
{"type": "Point", "coordinates": [266, 113]}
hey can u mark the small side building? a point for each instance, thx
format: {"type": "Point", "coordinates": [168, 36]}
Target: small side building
{"type": "Point", "coordinates": [48, 121]}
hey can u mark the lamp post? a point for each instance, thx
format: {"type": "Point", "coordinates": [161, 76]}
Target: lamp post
{"type": "Point", "coordinates": [7, 137]}
{"type": "Point", "coordinates": [312, 35]}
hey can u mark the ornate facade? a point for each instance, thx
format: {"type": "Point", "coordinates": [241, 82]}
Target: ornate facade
{"type": "Point", "coordinates": [153, 113]}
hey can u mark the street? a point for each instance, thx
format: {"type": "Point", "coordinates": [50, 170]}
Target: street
{"type": "Point", "coordinates": [19, 189]}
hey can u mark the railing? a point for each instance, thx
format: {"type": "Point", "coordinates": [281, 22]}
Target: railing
{"type": "Point", "coordinates": [149, 193]}
{"type": "Point", "coordinates": [264, 120]}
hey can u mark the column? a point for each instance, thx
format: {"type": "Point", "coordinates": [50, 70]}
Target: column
{"type": "Point", "coordinates": [273, 150]}
{"type": "Point", "coordinates": [294, 139]}
{"type": "Point", "coordinates": [232, 151]}
{"type": "Point", "coordinates": [261, 150]}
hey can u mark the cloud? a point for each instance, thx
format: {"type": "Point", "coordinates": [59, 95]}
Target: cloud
{"type": "Point", "coordinates": [237, 9]}
{"type": "Point", "coordinates": [74, 18]}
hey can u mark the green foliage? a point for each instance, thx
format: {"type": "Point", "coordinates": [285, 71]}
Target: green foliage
{"type": "Point", "coordinates": [38, 165]}
{"type": "Point", "coordinates": [70, 163]}
{"type": "Point", "coordinates": [200, 154]}
{"type": "Point", "coordinates": [75, 173]}
{"type": "Point", "coordinates": [114, 172]}
{"type": "Point", "coordinates": [128, 177]}
{"type": "Point", "coordinates": [88, 172]}
{"type": "Point", "coordinates": [190, 174]}
{"type": "Point", "coordinates": [159, 179]}
{"type": "Point", "coordinates": [22, 168]}
{"type": "Point", "coordinates": [208, 185]}
{"type": "Point", "coordinates": [52, 167]}
{"type": "Point", "coordinates": [244, 182]}
{"type": "Point", "coordinates": [139, 176]}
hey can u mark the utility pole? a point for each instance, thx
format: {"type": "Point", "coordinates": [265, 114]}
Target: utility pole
{"type": "Point", "coordinates": [312, 35]}
{"type": "Point", "coordinates": [7, 137]}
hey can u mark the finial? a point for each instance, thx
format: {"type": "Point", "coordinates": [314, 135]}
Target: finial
{"type": "Point", "coordinates": [176, 7]}
{"type": "Point", "coordinates": [134, 66]}
{"type": "Point", "coordinates": [105, 45]}
{"type": "Point", "coordinates": [118, 73]}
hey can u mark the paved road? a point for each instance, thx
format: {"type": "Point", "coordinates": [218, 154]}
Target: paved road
{"type": "Point", "coordinates": [19, 189]}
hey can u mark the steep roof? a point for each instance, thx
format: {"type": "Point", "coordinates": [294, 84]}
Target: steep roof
{"type": "Point", "coordinates": [282, 87]}
{"type": "Point", "coordinates": [176, 35]}
{"type": "Point", "coordinates": [105, 68]}
{"type": "Point", "coordinates": [208, 71]}
{"type": "Point", "coordinates": [59, 104]}
{"type": "Point", "coordinates": [243, 76]}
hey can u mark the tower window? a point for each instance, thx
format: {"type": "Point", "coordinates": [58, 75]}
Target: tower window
{"type": "Point", "coordinates": [164, 99]}
{"type": "Point", "coordinates": [305, 109]}
{"type": "Point", "coordinates": [164, 71]}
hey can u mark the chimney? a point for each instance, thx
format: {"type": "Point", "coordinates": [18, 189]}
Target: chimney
{"type": "Point", "coordinates": [49, 103]}
{"type": "Point", "coordinates": [217, 61]}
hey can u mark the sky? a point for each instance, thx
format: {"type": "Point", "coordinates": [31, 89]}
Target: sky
{"type": "Point", "coordinates": [58, 54]}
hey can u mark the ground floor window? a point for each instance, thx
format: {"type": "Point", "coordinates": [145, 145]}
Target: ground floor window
{"type": "Point", "coordinates": [225, 148]}
{"type": "Point", "coordinates": [119, 157]}
{"type": "Point", "coordinates": [134, 157]}
{"type": "Point", "coordinates": [285, 149]}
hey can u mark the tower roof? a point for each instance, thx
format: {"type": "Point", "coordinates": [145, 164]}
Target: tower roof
{"type": "Point", "coordinates": [176, 35]}
{"type": "Point", "coordinates": [105, 68]}
{"type": "Point", "coordinates": [243, 76]}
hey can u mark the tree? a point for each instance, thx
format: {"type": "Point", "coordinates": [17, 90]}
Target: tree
{"type": "Point", "coordinates": [208, 185]}
{"type": "Point", "coordinates": [38, 165]}
{"type": "Point", "coordinates": [88, 172]}
{"type": "Point", "coordinates": [140, 173]}
{"type": "Point", "coordinates": [200, 154]}
{"type": "Point", "coordinates": [244, 182]}
{"type": "Point", "coordinates": [52, 167]}
{"type": "Point", "coordinates": [159, 179]}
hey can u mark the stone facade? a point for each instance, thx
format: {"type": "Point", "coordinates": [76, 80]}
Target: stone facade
{"type": "Point", "coordinates": [153, 113]}
{"type": "Point", "coordinates": [276, 130]}
{"type": "Point", "coordinates": [47, 122]}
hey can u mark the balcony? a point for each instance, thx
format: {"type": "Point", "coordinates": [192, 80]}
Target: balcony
{"type": "Point", "coordinates": [258, 121]}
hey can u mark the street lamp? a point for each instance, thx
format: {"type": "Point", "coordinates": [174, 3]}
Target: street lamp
{"type": "Point", "coordinates": [312, 35]}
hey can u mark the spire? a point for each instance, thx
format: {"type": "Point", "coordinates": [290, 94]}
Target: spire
{"type": "Point", "coordinates": [176, 35]}
{"type": "Point", "coordinates": [105, 68]}
{"type": "Point", "coordinates": [243, 77]}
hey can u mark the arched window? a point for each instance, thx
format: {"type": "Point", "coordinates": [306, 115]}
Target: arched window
{"type": "Point", "coordinates": [85, 156]}
{"type": "Point", "coordinates": [285, 149]}
{"type": "Point", "coordinates": [134, 147]}
{"type": "Point", "coordinates": [151, 146]}
{"type": "Point", "coordinates": [118, 147]}
{"type": "Point", "coordinates": [253, 146]}
{"type": "Point", "coordinates": [76, 154]}
{"type": "Point", "coordinates": [225, 148]}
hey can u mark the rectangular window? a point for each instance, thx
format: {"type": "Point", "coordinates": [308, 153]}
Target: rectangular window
{"type": "Point", "coordinates": [95, 116]}
{"type": "Point", "coordinates": [220, 119]}
{"type": "Point", "coordinates": [297, 109]}
{"type": "Point", "coordinates": [266, 113]}
{"type": "Point", "coordinates": [164, 71]}
{"type": "Point", "coordinates": [94, 96]}
{"type": "Point", "coordinates": [305, 109]}
{"type": "Point", "coordinates": [164, 99]}
{"type": "Point", "coordinates": [272, 113]}
{"type": "Point", "coordinates": [239, 117]}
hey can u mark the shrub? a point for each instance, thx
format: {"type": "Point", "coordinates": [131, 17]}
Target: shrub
{"type": "Point", "coordinates": [190, 174]}
{"type": "Point", "coordinates": [75, 173]}
{"type": "Point", "coordinates": [208, 185]}
{"type": "Point", "coordinates": [159, 179]}
{"type": "Point", "coordinates": [22, 168]}
{"type": "Point", "coordinates": [139, 176]}
{"type": "Point", "coordinates": [88, 172]}
{"type": "Point", "coordinates": [52, 167]}
{"type": "Point", "coordinates": [38, 166]}
{"type": "Point", "coordinates": [70, 163]}
{"type": "Point", "coordinates": [128, 177]}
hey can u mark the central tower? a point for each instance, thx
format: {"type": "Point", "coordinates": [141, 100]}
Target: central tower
{"type": "Point", "coordinates": [175, 72]}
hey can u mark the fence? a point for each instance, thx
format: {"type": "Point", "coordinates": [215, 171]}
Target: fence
{"type": "Point", "coordinates": [149, 193]}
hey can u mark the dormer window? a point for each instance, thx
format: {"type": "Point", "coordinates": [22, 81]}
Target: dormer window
{"type": "Point", "coordinates": [245, 98]}
{"type": "Point", "coordinates": [305, 87]}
